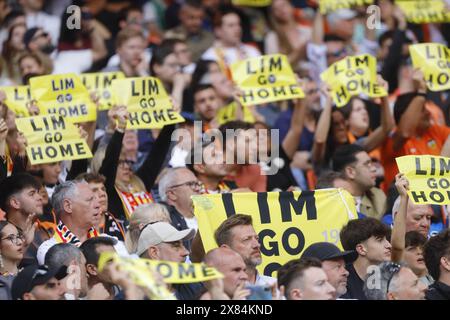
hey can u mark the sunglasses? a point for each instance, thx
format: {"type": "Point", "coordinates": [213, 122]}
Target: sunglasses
{"type": "Point", "coordinates": [41, 35]}
{"type": "Point", "coordinates": [393, 269]}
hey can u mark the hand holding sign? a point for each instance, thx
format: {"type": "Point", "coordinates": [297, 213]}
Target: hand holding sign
{"type": "Point", "coordinates": [65, 95]}
{"type": "Point", "coordinates": [352, 76]}
{"type": "Point", "coordinates": [402, 185]}
{"type": "Point", "coordinates": [147, 102]}
{"type": "Point", "coordinates": [33, 108]}
{"type": "Point", "coordinates": [429, 178]}
{"type": "Point", "coordinates": [265, 79]}
{"type": "Point", "coordinates": [419, 81]}
{"type": "Point", "coordinates": [51, 139]}
{"type": "Point", "coordinates": [121, 116]}
{"type": "Point", "coordinates": [434, 61]}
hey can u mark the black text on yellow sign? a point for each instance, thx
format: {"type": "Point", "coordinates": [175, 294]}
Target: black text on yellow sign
{"type": "Point", "coordinates": [265, 79]}
{"type": "Point", "coordinates": [101, 83]}
{"type": "Point", "coordinates": [327, 6]}
{"type": "Point", "coordinates": [424, 11]}
{"type": "Point", "coordinates": [352, 76]}
{"type": "Point", "coordinates": [18, 99]}
{"type": "Point", "coordinates": [64, 95]}
{"type": "Point", "coordinates": [286, 222]}
{"type": "Point", "coordinates": [51, 138]}
{"type": "Point", "coordinates": [434, 61]}
{"type": "Point", "coordinates": [147, 102]}
{"type": "Point", "coordinates": [429, 178]}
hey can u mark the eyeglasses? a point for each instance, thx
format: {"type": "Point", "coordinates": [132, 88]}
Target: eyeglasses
{"type": "Point", "coordinates": [41, 35]}
{"type": "Point", "coordinates": [15, 239]}
{"type": "Point", "coordinates": [194, 185]}
{"type": "Point", "coordinates": [393, 269]}
{"type": "Point", "coordinates": [129, 163]}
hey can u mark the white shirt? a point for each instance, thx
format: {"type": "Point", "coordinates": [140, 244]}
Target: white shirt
{"type": "Point", "coordinates": [76, 61]}
{"type": "Point", "coordinates": [50, 24]}
{"type": "Point", "coordinates": [192, 223]}
{"type": "Point", "coordinates": [231, 54]}
{"type": "Point", "coordinates": [46, 245]}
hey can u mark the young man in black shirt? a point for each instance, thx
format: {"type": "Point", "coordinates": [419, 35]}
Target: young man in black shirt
{"type": "Point", "coordinates": [369, 238]}
{"type": "Point", "coordinates": [437, 259]}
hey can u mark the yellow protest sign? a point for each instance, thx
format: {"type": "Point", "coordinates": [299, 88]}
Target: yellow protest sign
{"type": "Point", "coordinates": [101, 83]}
{"type": "Point", "coordinates": [352, 76]}
{"type": "Point", "coordinates": [147, 102]}
{"type": "Point", "coordinates": [424, 11]}
{"type": "Point", "coordinates": [429, 178]}
{"type": "Point", "coordinates": [327, 6]}
{"type": "Point", "coordinates": [174, 272]}
{"type": "Point", "coordinates": [434, 61]}
{"type": "Point", "coordinates": [252, 3]}
{"type": "Point", "coordinates": [52, 138]}
{"type": "Point", "coordinates": [65, 95]}
{"type": "Point", "coordinates": [141, 276]}
{"type": "Point", "coordinates": [228, 113]}
{"type": "Point", "coordinates": [17, 99]}
{"type": "Point", "coordinates": [265, 79]}
{"type": "Point", "coordinates": [286, 222]}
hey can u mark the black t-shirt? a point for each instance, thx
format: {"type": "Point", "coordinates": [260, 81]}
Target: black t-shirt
{"type": "Point", "coordinates": [438, 291]}
{"type": "Point", "coordinates": [354, 285]}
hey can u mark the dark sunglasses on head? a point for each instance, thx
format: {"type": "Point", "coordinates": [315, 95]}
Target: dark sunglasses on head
{"type": "Point", "coordinates": [42, 35]}
{"type": "Point", "coordinates": [393, 269]}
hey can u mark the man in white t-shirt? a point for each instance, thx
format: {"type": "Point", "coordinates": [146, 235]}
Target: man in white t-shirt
{"type": "Point", "coordinates": [77, 61]}
{"type": "Point", "coordinates": [229, 47]}
{"type": "Point", "coordinates": [38, 18]}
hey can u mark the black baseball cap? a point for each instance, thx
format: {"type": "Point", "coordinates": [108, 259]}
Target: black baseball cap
{"type": "Point", "coordinates": [328, 251]}
{"type": "Point", "coordinates": [32, 276]}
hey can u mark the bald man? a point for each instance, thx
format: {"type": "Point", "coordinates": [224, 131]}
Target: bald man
{"type": "Point", "coordinates": [418, 217]}
{"type": "Point", "coordinates": [231, 265]}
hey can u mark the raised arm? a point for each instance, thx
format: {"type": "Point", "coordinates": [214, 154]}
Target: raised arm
{"type": "Point", "coordinates": [409, 121]}
{"type": "Point", "coordinates": [113, 150]}
{"type": "Point", "coordinates": [99, 50]}
{"type": "Point", "coordinates": [377, 137]}
{"type": "Point", "coordinates": [318, 32]}
{"type": "Point", "coordinates": [399, 229]}
{"type": "Point", "coordinates": [292, 138]}
{"type": "Point", "coordinates": [152, 166]}
{"type": "Point", "coordinates": [322, 130]}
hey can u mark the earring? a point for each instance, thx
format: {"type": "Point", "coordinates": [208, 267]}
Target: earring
{"type": "Point", "coordinates": [1, 261]}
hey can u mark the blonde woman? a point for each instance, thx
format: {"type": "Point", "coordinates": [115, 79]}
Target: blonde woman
{"type": "Point", "coordinates": [288, 37]}
{"type": "Point", "coordinates": [142, 216]}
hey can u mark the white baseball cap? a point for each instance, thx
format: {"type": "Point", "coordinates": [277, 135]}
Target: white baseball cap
{"type": "Point", "coordinates": [160, 232]}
